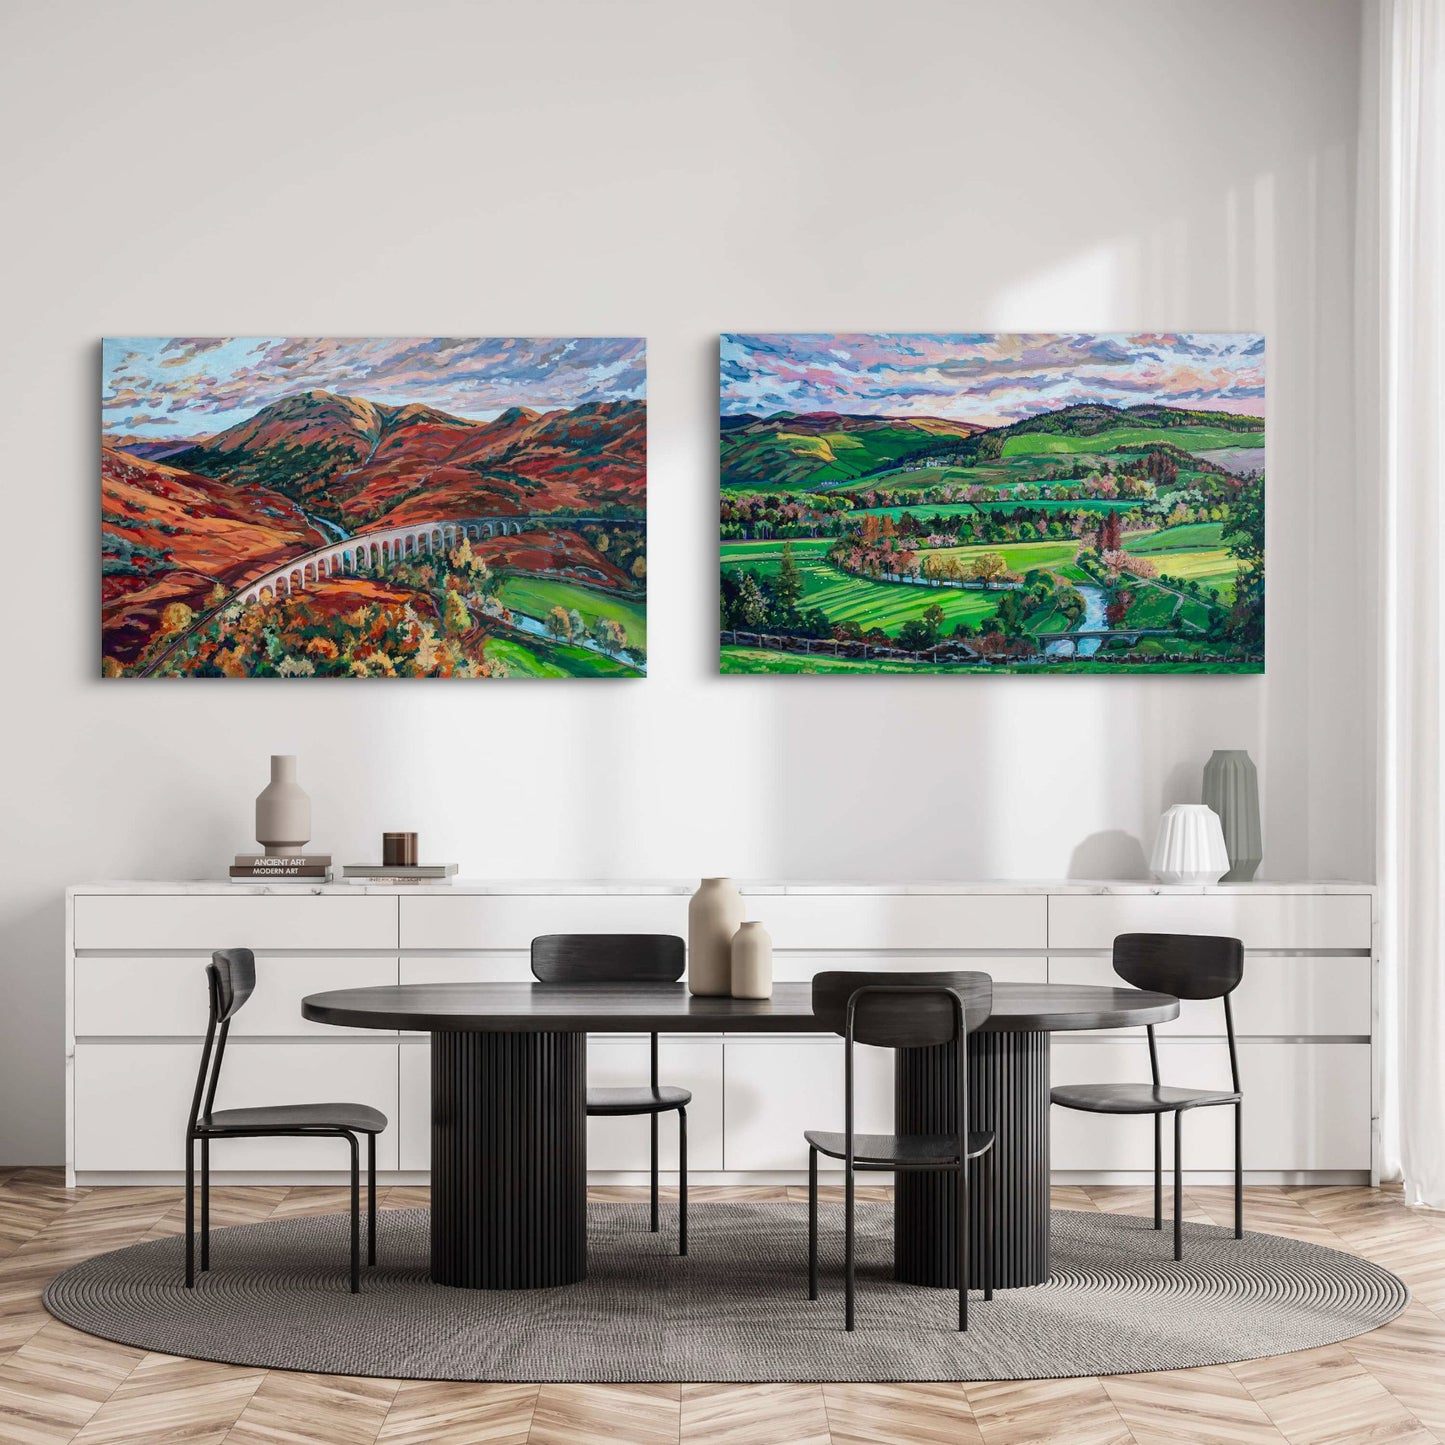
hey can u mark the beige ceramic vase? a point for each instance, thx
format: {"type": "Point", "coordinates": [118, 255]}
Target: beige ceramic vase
{"type": "Point", "coordinates": [283, 811]}
{"type": "Point", "coordinates": [713, 917]}
{"type": "Point", "coordinates": [752, 961]}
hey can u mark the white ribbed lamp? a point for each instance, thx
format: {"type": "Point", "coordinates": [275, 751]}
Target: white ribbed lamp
{"type": "Point", "coordinates": [1189, 847]}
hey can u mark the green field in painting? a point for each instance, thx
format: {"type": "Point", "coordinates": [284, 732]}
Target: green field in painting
{"type": "Point", "coordinates": [537, 596]}
{"type": "Point", "coordinates": [1212, 568]}
{"type": "Point", "coordinates": [1118, 439]}
{"type": "Point", "coordinates": [1151, 607]}
{"type": "Point", "coordinates": [923, 511]}
{"type": "Point", "coordinates": [759, 660]}
{"type": "Point", "coordinates": [1192, 553]}
{"type": "Point", "coordinates": [782, 459]}
{"type": "Point", "coordinates": [534, 658]}
{"type": "Point", "coordinates": [845, 598]}
{"type": "Point", "coordinates": [1019, 557]}
{"type": "Point", "coordinates": [772, 550]}
{"type": "Point", "coordinates": [1191, 537]}
{"type": "Point", "coordinates": [752, 660]}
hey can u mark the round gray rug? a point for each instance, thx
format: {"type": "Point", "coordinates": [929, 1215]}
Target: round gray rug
{"type": "Point", "coordinates": [735, 1310]}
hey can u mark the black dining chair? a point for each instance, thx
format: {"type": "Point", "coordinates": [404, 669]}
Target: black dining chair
{"type": "Point", "coordinates": [231, 979]}
{"type": "Point", "coordinates": [1193, 966]}
{"type": "Point", "coordinates": [898, 1011]}
{"type": "Point", "coordinates": [612, 958]}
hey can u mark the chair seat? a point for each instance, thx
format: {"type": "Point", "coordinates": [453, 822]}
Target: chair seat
{"type": "Point", "coordinates": [1136, 1098]}
{"type": "Point", "coordinates": [359, 1117]}
{"type": "Point", "coordinates": [643, 1100]}
{"type": "Point", "coordinates": [907, 1151]}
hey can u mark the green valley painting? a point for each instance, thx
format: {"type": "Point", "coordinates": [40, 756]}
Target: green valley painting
{"type": "Point", "coordinates": [317, 507]}
{"type": "Point", "coordinates": [992, 503]}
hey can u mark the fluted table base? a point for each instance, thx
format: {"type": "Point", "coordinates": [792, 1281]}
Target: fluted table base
{"type": "Point", "coordinates": [508, 1159]}
{"type": "Point", "coordinates": [1008, 1225]}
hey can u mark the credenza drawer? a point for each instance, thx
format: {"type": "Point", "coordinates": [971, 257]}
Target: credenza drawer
{"type": "Point", "coordinates": [250, 920]}
{"type": "Point", "coordinates": [470, 921]}
{"type": "Point", "coordinates": [775, 1089]}
{"type": "Point", "coordinates": [803, 921]}
{"type": "Point", "coordinates": [1277, 920]}
{"type": "Point", "coordinates": [899, 920]}
{"type": "Point", "coordinates": [503, 966]}
{"type": "Point", "coordinates": [130, 997]}
{"type": "Point", "coordinates": [799, 966]}
{"type": "Point", "coordinates": [132, 1100]}
{"type": "Point", "coordinates": [1279, 997]}
{"type": "Point", "coordinates": [1306, 1106]}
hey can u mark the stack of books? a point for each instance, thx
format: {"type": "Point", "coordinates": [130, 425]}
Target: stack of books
{"type": "Point", "coordinates": [308, 868]}
{"type": "Point", "coordinates": [385, 874]}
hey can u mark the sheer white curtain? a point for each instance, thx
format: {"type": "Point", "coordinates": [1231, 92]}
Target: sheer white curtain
{"type": "Point", "coordinates": [1404, 342]}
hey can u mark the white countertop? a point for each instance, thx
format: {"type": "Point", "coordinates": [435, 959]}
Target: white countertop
{"type": "Point", "coordinates": [636, 887]}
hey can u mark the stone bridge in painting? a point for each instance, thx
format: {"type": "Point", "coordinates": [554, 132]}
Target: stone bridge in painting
{"type": "Point", "coordinates": [374, 551]}
{"type": "Point", "coordinates": [1114, 634]}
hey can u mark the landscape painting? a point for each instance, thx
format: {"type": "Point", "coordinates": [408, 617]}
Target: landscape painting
{"type": "Point", "coordinates": [992, 503]}
{"type": "Point", "coordinates": [317, 507]}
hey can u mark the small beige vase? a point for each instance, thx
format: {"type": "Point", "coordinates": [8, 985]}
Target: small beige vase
{"type": "Point", "coordinates": [752, 961]}
{"type": "Point", "coordinates": [713, 916]}
{"type": "Point", "coordinates": [283, 811]}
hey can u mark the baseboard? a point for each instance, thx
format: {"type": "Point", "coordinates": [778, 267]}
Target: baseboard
{"type": "Point", "coordinates": [738, 1179]}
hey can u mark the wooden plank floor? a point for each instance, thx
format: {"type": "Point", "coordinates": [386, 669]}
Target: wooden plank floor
{"type": "Point", "coordinates": [57, 1385]}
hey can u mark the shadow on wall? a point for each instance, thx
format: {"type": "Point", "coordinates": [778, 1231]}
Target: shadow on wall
{"type": "Point", "coordinates": [1111, 854]}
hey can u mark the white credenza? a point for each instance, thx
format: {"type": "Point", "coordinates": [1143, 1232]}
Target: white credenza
{"type": "Point", "coordinates": [136, 1011]}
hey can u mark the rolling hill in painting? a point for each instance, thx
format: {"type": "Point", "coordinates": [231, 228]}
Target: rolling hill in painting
{"type": "Point", "coordinates": [417, 516]}
{"type": "Point", "coordinates": [976, 504]}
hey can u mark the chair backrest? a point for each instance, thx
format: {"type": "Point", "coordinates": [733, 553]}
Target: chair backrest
{"type": "Point", "coordinates": [1188, 965]}
{"type": "Point", "coordinates": [230, 981]}
{"type": "Point", "coordinates": [233, 975]}
{"type": "Point", "coordinates": [902, 1010]}
{"type": "Point", "coordinates": [600, 958]}
{"type": "Point", "coordinates": [608, 958]}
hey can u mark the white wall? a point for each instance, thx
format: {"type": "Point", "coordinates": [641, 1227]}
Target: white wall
{"type": "Point", "coordinates": [671, 170]}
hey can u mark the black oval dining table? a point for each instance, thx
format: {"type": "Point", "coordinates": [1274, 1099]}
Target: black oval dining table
{"type": "Point", "coordinates": [509, 1127]}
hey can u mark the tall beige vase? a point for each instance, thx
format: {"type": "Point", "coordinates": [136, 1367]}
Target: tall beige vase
{"type": "Point", "coordinates": [283, 811]}
{"type": "Point", "coordinates": [752, 961]}
{"type": "Point", "coordinates": [713, 917]}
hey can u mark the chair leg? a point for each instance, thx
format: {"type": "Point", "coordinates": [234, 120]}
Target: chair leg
{"type": "Point", "coordinates": [355, 1214]}
{"type": "Point", "coordinates": [1178, 1184]}
{"type": "Point", "coordinates": [962, 1244]}
{"type": "Point", "coordinates": [985, 1222]}
{"type": "Point", "coordinates": [654, 1172]}
{"type": "Point", "coordinates": [190, 1212]}
{"type": "Point", "coordinates": [681, 1181]}
{"type": "Point", "coordinates": [205, 1205]}
{"type": "Point", "coordinates": [848, 1282]}
{"type": "Point", "coordinates": [1158, 1171]}
{"type": "Point", "coordinates": [1239, 1170]}
{"type": "Point", "coordinates": [812, 1222]}
{"type": "Point", "coordinates": [371, 1199]}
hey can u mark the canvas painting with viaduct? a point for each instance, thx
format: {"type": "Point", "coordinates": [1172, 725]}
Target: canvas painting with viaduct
{"type": "Point", "coordinates": [971, 504]}
{"type": "Point", "coordinates": [317, 507]}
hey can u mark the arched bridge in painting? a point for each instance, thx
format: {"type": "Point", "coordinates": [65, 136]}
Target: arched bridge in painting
{"type": "Point", "coordinates": [370, 552]}
{"type": "Point", "coordinates": [374, 551]}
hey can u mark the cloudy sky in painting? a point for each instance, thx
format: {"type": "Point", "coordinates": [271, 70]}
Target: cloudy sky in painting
{"type": "Point", "coordinates": [180, 386]}
{"type": "Point", "coordinates": [990, 379]}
